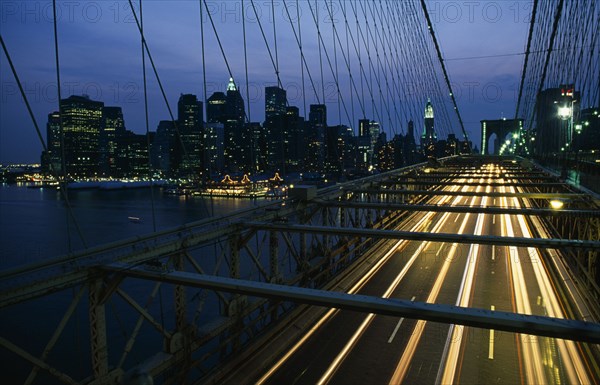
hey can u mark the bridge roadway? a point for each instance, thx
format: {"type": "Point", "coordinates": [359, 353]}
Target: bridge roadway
{"type": "Point", "coordinates": [353, 348]}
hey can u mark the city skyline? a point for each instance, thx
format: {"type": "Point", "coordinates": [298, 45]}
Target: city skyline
{"type": "Point", "coordinates": [97, 143]}
{"type": "Point", "coordinates": [119, 81]}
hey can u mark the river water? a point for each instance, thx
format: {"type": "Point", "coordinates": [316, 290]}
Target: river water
{"type": "Point", "coordinates": [34, 227]}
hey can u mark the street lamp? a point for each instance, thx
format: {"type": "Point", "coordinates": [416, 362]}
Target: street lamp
{"type": "Point", "coordinates": [556, 204]}
{"type": "Point", "coordinates": [566, 112]}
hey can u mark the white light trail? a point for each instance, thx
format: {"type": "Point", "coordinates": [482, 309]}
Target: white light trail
{"type": "Point", "coordinates": [409, 351]}
{"type": "Point", "coordinates": [426, 218]}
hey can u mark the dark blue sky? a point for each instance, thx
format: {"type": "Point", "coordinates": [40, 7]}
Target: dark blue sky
{"type": "Point", "coordinates": [100, 55]}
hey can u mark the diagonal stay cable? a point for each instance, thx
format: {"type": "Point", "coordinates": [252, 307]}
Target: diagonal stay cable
{"type": "Point", "coordinates": [160, 85]}
{"type": "Point", "coordinates": [441, 59]}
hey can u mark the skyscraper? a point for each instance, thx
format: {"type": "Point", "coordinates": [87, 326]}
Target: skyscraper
{"type": "Point", "coordinates": [275, 110]}
{"type": "Point", "coordinates": [215, 108]}
{"type": "Point", "coordinates": [429, 137]}
{"type": "Point", "coordinates": [275, 102]}
{"type": "Point", "coordinates": [368, 133]}
{"type": "Point", "coordinates": [315, 152]}
{"type": "Point", "coordinates": [81, 123]}
{"type": "Point", "coordinates": [113, 127]}
{"type": "Point", "coordinates": [235, 116]}
{"type": "Point", "coordinates": [189, 121]}
{"type": "Point", "coordinates": [51, 159]}
{"type": "Point", "coordinates": [163, 148]}
{"type": "Point", "coordinates": [553, 131]}
{"type": "Point", "coordinates": [296, 139]}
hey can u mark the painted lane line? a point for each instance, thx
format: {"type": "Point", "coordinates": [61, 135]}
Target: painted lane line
{"type": "Point", "coordinates": [397, 327]}
{"type": "Point", "coordinates": [404, 363]}
{"type": "Point", "coordinates": [375, 268]}
{"type": "Point", "coordinates": [491, 350]}
{"type": "Point", "coordinates": [440, 249]}
{"type": "Point", "coordinates": [455, 335]}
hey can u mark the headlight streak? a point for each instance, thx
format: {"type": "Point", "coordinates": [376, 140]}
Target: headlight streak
{"type": "Point", "coordinates": [426, 218]}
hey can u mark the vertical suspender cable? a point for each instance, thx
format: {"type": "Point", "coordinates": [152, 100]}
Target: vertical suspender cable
{"type": "Point", "coordinates": [439, 53]}
{"type": "Point", "coordinates": [320, 54]}
{"type": "Point", "coordinates": [207, 157]}
{"type": "Point", "coordinates": [65, 182]}
{"type": "Point", "coordinates": [548, 53]}
{"type": "Point", "coordinates": [55, 173]}
{"type": "Point", "coordinates": [252, 156]}
{"type": "Point", "coordinates": [531, 25]}
{"type": "Point", "coordinates": [275, 40]}
{"type": "Point", "coordinates": [301, 58]}
{"type": "Point", "coordinates": [146, 118]}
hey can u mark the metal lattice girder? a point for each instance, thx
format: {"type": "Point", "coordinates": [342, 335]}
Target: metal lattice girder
{"type": "Point", "coordinates": [462, 209]}
{"type": "Point", "coordinates": [457, 183]}
{"type": "Point", "coordinates": [571, 196]}
{"type": "Point", "coordinates": [551, 243]}
{"type": "Point", "coordinates": [481, 318]}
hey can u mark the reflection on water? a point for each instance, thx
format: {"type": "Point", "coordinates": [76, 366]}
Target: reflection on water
{"type": "Point", "coordinates": [34, 226]}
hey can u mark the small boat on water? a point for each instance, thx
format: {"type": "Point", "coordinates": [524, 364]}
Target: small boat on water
{"type": "Point", "coordinates": [134, 219]}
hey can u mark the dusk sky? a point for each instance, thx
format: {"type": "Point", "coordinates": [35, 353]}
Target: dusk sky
{"type": "Point", "coordinates": [100, 55]}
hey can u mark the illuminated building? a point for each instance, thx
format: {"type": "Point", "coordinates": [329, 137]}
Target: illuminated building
{"type": "Point", "coordinates": [275, 127]}
{"type": "Point", "coordinates": [315, 151]}
{"type": "Point", "coordinates": [215, 108]}
{"type": "Point", "coordinates": [113, 127]}
{"type": "Point", "coordinates": [189, 123]}
{"type": "Point", "coordinates": [213, 148]}
{"type": "Point", "coordinates": [132, 160]}
{"type": "Point", "coordinates": [368, 134]}
{"type": "Point", "coordinates": [81, 122]}
{"type": "Point", "coordinates": [587, 130]}
{"type": "Point", "coordinates": [235, 116]}
{"type": "Point", "coordinates": [296, 139]}
{"type": "Point", "coordinates": [553, 132]}
{"type": "Point", "coordinates": [429, 137]}
{"type": "Point", "coordinates": [51, 159]}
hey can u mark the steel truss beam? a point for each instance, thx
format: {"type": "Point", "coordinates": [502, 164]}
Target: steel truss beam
{"type": "Point", "coordinates": [481, 318]}
{"type": "Point", "coordinates": [571, 196]}
{"type": "Point", "coordinates": [475, 184]}
{"type": "Point", "coordinates": [460, 209]}
{"type": "Point", "coordinates": [551, 243]}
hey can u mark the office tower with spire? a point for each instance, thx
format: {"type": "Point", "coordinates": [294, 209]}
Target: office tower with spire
{"type": "Point", "coordinates": [429, 137]}
{"type": "Point", "coordinates": [237, 145]}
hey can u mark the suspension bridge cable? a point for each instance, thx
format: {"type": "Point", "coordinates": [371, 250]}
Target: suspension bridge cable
{"type": "Point", "coordinates": [25, 99]}
{"type": "Point", "coordinates": [160, 85]}
{"type": "Point", "coordinates": [524, 72]}
{"type": "Point", "coordinates": [147, 121]}
{"type": "Point", "coordinates": [439, 53]}
{"type": "Point", "coordinates": [349, 66]}
{"type": "Point", "coordinates": [246, 62]}
{"type": "Point", "coordinates": [65, 182]}
{"type": "Point", "coordinates": [301, 53]}
{"type": "Point", "coordinates": [549, 52]}
{"type": "Point", "coordinates": [212, 23]}
{"type": "Point", "coordinates": [346, 56]}
{"type": "Point", "coordinates": [53, 171]}
{"type": "Point", "coordinates": [319, 40]}
{"type": "Point", "coordinates": [315, 19]}
{"type": "Point", "coordinates": [298, 37]}
{"type": "Point", "coordinates": [262, 31]}
{"type": "Point", "coordinates": [275, 40]}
